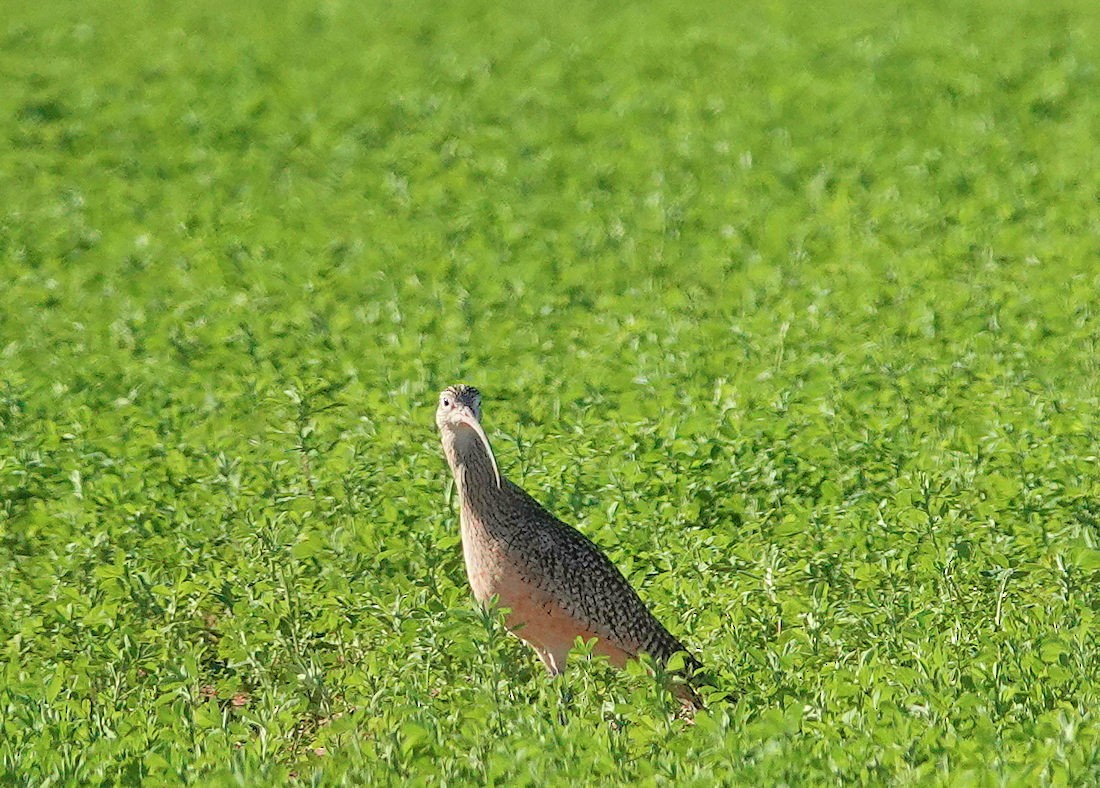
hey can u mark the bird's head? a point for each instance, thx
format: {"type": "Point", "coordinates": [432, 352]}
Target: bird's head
{"type": "Point", "coordinates": [459, 419]}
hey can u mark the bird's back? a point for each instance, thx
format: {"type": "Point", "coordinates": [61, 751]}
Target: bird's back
{"type": "Point", "coordinates": [557, 576]}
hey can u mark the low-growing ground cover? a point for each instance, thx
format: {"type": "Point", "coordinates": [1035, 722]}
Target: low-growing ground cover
{"type": "Point", "coordinates": [792, 309]}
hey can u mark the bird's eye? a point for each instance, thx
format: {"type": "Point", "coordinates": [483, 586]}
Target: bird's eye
{"type": "Point", "coordinates": [446, 402]}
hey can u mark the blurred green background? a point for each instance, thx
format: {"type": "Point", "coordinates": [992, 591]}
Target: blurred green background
{"type": "Point", "coordinates": [793, 309]}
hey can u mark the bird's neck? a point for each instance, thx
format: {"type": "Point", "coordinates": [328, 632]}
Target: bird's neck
{"type": "Point", "coordinates": [471, 466]}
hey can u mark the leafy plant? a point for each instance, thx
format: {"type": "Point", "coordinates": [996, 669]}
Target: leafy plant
{"type": "Point", "coordinates": [791, 308]}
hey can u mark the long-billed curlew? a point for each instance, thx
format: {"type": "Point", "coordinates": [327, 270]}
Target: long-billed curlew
{"type": "Point", "coordinates": [557, 584]}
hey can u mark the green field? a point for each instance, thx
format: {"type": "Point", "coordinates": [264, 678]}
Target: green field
{"type": "Point", "coordinates": [794, 308]}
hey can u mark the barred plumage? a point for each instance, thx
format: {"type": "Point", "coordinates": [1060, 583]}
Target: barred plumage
{"type": "Point", "coordinates": [557, 584]}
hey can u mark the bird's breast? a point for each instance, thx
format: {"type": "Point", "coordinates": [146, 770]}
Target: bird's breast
{"type": "Point", "coordinates": [488, 566]}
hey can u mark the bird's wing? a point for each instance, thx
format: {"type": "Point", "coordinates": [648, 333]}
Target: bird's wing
{"type": "Point", "coordinates": [578, 576]}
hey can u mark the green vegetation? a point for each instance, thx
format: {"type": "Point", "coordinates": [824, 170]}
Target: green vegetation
{"type": "Point", "coordinates": [791, 307]}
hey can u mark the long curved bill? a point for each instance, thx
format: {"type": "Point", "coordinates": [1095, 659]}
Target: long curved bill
{"type": "Point", "coordinates": [469, 420]}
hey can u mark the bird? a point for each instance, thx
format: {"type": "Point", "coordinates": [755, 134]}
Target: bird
{"type": "Point", "coordinates": [554, 582]}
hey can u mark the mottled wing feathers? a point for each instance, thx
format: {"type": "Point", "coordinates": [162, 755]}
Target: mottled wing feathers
{"type": "Point", "coordinates": [571, 569]}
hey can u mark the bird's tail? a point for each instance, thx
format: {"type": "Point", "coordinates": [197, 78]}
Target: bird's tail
{"type": "Point", "coordinates": [685, 672]}
{"type": "Point", "coordinates": [687, 695]}
{"type": "Point", "coordinates": [689, 681]}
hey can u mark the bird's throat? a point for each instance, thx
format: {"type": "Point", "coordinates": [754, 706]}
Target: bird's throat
{"type": "Point", "coordinates": [470, 463]}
